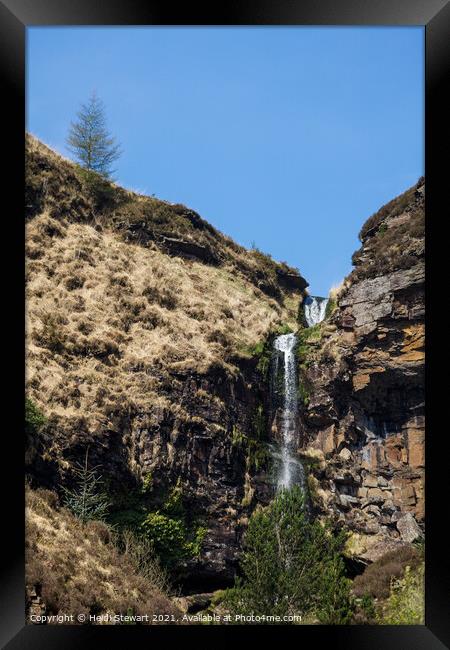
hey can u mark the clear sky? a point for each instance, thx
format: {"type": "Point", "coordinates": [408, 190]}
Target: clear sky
{"type": "Point", "coordinates": [286, 138]}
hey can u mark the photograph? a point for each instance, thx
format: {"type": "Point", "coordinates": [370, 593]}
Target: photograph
{"type": "Point", "coordinates": [225, 325]}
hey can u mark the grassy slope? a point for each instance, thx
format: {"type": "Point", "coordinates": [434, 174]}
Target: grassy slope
{"type": "Point", "coordinates": [78, 569]}
{"type": "Point", "coordinates": [109, 320]}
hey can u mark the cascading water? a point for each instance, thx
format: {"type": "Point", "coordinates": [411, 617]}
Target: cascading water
{"type": "Point", "coordinates": [291, 470]}
{"type": "Point", "coordinates": [290, 467]}
{"type": "Point", "coordinates": [314, 309]}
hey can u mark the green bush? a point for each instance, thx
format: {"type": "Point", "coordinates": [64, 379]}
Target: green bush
{"type": "Point", "coordinates": [291, 565]}
{"type": "Point", "coordinates": [34, 418]}
{"type": "Point", "coordinates": [168, 535]}
{"type": "Point", "coordinates": [173, 537]}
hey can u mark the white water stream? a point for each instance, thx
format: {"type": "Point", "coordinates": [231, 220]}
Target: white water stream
{"type": "Point", "coordinates": [291, 470]}
{"type": "Point", "coordinates": [314, 309]}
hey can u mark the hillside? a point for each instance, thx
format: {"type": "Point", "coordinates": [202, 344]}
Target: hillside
{"type": "Point", "coordinates": [75, 569]}
{"type": "Point", "coordinates": [144, 330]}
{"type": "Point", "coordinates": [193, 374]}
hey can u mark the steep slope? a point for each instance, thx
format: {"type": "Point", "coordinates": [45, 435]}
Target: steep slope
{"type": "Point", "coordinates": [364, 378]}
{"type": "Point", "coordinates": [75, 569]}
{"type": "Point", "coordinates": [144, 328]}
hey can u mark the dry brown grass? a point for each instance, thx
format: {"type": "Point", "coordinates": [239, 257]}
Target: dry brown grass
{"type": "Point", "coordinates": [55, 185]}
{"type": "Point", "coordinates": [106, 317]}
{"type": "Point", "coordinates": [111, 323]}
{"type": "Point", "coordinates": [377, 577]}
{"type": "Point", "coordinates": [393, 237]}
{"type": "Point", "coordinates": [78, 569]}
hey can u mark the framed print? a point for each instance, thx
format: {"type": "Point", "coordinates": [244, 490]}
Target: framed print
{"type": "Point", "coordinates": [228, 272]}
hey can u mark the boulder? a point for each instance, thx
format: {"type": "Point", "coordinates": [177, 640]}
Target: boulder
{"type": "Point", "coordinates": [408, 528]}
{"type": "Point", "coordinates": [345, 454]}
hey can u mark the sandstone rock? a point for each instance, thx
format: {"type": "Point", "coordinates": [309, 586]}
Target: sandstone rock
{"type": "Point", "coordinates": [371, 527]}
{"type": "Point", "coordinates": [416, 448]}
{"type": "Point", "coordinates": [347, 321]}
{"type": "Point", "coordinates": [375, 495]}
{"type": "Point", "coordinates": [195, 603]}
{"type": "Point", "coordinates": [388, 506]}
{"type": "Point", "coordinates": [346, 501]}
{"type": "Point", "coordinates": [345, 454]}
{"type": "Point", "coordinates": [370, 481]}
{"type": "Point", "coordinates": [408, 528]}
{"type": "Point", "coordinates": [373, 510]}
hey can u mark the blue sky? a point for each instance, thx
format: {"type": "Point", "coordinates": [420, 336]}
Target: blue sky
{"type": "Point", "coordinates": [286, 138]}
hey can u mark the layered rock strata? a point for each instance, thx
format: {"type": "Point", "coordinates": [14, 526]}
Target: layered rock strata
{"type": "Point", "coordinates": [364, 419]}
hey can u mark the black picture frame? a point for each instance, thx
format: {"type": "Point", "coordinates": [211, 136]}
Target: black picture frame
{"type": "Point", "coordinates": [15, 17]}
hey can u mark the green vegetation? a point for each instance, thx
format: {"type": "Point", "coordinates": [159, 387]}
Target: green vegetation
{"type": "Point", "coordinates": [147, 483]}
{"type": "Point", "coordinates": [291, 565]}
{"type": "Point", "coordinates": [382, 230]}
{"type": "Point", "coordinates": [34, 418]}
{"type": "Point", "coordinates": [303, 392]}
{"type": "Point", "coordinates": [331, 306]}
{"type": "Point", "coordinates": [264, 350]}
{"type": "Point", "coordinates": [163, 522]}
{"type": "Point", "coordinates": [406, 603]}
{"type": "Point", "coordinates": [283, 329]}
{"type": "Point", "coordinates": [391, 589]}
{"type": "Point", "coordinates": [87, 501]}
{"type": "Point", "coordinates": [259, 422]}
{"type": "Point", "coordinates": [306, 339]}
{"type": "Point", "coordinates": [255, 444]}
{"type": "Point", "coordinates": [172, 535]}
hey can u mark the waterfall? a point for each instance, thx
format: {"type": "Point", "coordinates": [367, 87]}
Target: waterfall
{"type": "Point", "coordinates": [291, 470]}
{"type": "Point", "coordinates": [314, 308]}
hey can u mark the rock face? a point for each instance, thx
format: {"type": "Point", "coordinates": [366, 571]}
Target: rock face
{"type": "Point", "coordinates": [365, 415]}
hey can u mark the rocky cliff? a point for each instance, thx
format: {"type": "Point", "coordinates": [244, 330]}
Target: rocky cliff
{"type": "Point", "coordinates": [362, 373]}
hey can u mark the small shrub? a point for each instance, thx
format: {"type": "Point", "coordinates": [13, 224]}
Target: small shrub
{"type": "Point", "coordinates": [173, 538]}
{"type": "Point", "coordinates": [406, 602]}
{"type": "Point", "coordinates": [34, 418]}
{"type": "Point", "coordinates": [101, 529]}
{"type": "Point", "coordinates": [52, 335]}
{"type": "Point", "coordinates": [162, 296]}
{"type": "Point", "coordinates": [140, 553]}
{"type": "Point", "coordinates": [168, 536]}
{"type": "Point", "coordinates": [376, 579]}
{"type": "Point", "coordinates": [87, 500]}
